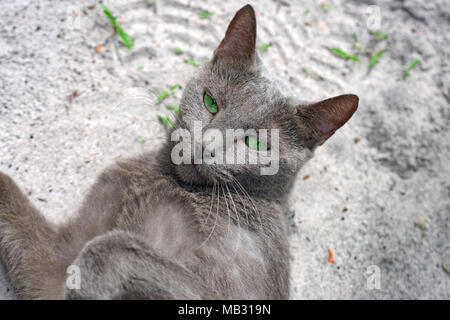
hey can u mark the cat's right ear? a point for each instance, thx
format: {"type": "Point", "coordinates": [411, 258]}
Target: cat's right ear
{"type": "Point", "coordinates": [319, 121]}
{"type": "Point", "coordinates": [238, 46]}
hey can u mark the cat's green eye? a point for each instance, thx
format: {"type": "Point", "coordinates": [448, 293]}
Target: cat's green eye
{"type": "Point", "coordinates": [255, 144]}
{"type": "Point", "coordinates": [210, 103]}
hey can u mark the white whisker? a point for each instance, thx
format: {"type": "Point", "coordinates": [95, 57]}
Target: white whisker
{"type": "Point", "coordinates": [217, 214]}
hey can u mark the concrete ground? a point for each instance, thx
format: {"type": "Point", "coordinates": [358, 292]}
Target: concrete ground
{"type": "Point", "coordinates": [377, 194]}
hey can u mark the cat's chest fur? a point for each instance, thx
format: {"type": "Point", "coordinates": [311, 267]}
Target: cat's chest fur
{"type": "Point", "coordinates": [183, 227]}
{"type": "Point", "coordinates": [210, 234]}
{"type": "Point", "coordinates": [174, 230]}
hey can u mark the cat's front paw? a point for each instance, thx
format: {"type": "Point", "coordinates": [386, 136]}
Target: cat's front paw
{"type": "Point", "coordinates": [102, 267]}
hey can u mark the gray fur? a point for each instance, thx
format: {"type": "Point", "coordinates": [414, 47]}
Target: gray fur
{"type": "Point", "coordinates": [149, 229]}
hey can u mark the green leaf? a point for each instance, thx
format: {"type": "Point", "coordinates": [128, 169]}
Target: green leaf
{"type": "Point", "coordinates": [127, 40]}
{"type": "Point", "coordinates": [306, 11]}
{"type": "Point", "coordinates": [165, 121]}
{"type": "Point", "coordinates": [411, 66]}
{"type": "Point", "coordinates": [264, 47]}
{"type": "Point", "coordinates": [344, 55]}
{"type": "Point", "coordinates": [176, 108]}
{"type": "Point", "coordinates": [179, 51]}
{"type": "Point", "coordinates": [326, 6]}
{"type": "Point", "coordinates": [375, 58]}
{"type": "Point", "coordinates": [380, 35]}
{"type": "Point", "coordinates": [205, 14]}
{"type": "Point", "coordinates": [140, 139]}
{"type": "Point", "coordinates": [191, 61]}
{"type": "Point", "coordinates": [176, 85]}
{"type": "Point", "coordinates": [162, 96]}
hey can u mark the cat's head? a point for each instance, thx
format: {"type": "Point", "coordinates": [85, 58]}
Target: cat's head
{"type": "Point", "coordinates": [234, 91]}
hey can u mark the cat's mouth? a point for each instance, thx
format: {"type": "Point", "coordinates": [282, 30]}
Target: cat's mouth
{"type": "Point", "coordinates": [213, 173]}
{"type": "Point", "coordinates": [202, 174]}
{"type": "Point", "coordinates": [190, 173]}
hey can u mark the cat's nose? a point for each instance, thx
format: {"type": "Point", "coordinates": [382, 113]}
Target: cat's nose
{"type": "Point", "coordinates": [207, 152]}
{"type": "Point", "coordinates": [212, 141]}
{"type": "Point", "coordinates": [203, 150]}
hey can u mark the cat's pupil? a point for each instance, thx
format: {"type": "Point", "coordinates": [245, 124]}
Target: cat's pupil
{"type": "Point", "coordinates": [210, 103]}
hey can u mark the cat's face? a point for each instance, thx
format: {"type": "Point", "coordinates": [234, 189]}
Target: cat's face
{"type": "Point", "coordinates": [234, 92]}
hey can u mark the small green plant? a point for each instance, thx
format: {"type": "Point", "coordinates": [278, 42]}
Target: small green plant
{"type": "Point", "coordinates": [191, 61]}
{"type": "Point", "coordinates": [375, 58]}
{"type": "Point", "coordinates": [344, 55]}
{"type": "Point", "coordinates": [326, 6]}
{"type": "Point", "coordinates": [179, 50]}
{"type": "Point", "coordinates": [127, 40]}
{"type": "Point", "coordinates": [165, 121]}
{"type": "Point", "coordinates": [410, 67]}
{"type": "Point", "coordinates": [176, 85]}
{"type": "Point", "coordinates": [140, 139]}
{"type": "Point", "coordinates": [380, 35]}
{"type": "Point", "coordinates": [164, 94]}
{"type": "Point", "coordinates": [264, 47]}
{"type": "Point", "coordinates": [205, 14]}
{"type": "Point", "coordinates": [176, 108]}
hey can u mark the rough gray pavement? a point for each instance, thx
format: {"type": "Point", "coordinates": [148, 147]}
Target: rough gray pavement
{"type": "Point", "coordinates": [377, 193]}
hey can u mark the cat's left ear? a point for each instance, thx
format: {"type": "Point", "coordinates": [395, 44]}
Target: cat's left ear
{"type": "Point", "coordinates": [238, 46]}
{"type": "Point", "coordinates": [319, 121]}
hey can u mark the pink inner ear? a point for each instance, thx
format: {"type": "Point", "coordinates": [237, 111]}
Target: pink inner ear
{"type": "Point", "coordinates": [240, 38]}
{"type": "Point", "coordinates": [325, 117]}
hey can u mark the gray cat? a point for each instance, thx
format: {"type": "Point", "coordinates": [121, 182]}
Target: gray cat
{"type": "Point", "coordinates": [152, 229]}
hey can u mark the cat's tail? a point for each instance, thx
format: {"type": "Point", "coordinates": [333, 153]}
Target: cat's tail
{"type": "Point", "coordinates": [27, 246]}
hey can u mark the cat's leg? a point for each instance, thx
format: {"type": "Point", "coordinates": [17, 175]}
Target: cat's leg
{"type": "Point", "coordinates": [37, 253]}
{"type": "Point", "coordinates": [97, 215]}
{"type": "Point", "coordinates": [119, 265]}
{"type": "Point", "coordinates": [27, 250]}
